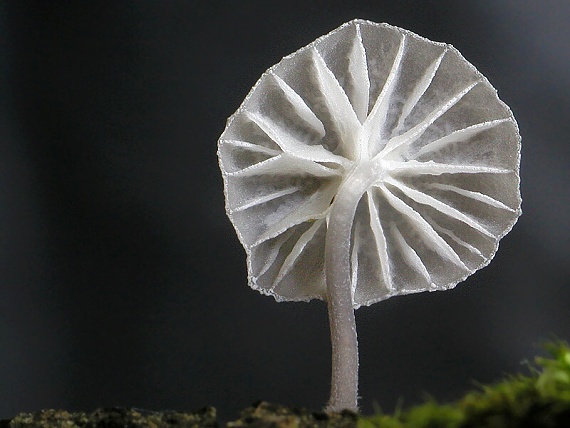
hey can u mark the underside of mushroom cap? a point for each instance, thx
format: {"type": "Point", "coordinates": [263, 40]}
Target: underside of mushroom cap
{"type": "Point", "coordinates": [444, 148]}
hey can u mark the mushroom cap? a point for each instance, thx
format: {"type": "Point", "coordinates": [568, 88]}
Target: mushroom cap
{"type": "Point", "coordinates": [446, 150]}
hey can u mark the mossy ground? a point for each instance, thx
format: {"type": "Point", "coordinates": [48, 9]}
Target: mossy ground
{"type": "Point", "coordinates": [539, 399]}
{"type": "Point", "coordinates": [260, 415]}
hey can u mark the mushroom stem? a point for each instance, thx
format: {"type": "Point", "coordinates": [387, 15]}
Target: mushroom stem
{"type": "Point", "coordinates": [344, 378]}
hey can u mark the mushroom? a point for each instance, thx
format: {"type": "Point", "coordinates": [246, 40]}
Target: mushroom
{"type": "Point", "coordinates": [371, 163]}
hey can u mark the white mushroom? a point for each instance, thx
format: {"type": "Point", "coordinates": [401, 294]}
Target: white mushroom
{"type": "Point", "coordinates": [368, 164]}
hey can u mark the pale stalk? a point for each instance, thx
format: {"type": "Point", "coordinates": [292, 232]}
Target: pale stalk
{"type": "Point", "coordinates": [344, 378]}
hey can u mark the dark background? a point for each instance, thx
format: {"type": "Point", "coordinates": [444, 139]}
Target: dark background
{"type": "Point", "coordinates": [123, 283]}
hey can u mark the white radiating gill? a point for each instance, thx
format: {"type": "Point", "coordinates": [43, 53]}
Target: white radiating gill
{"type": "Point", "coordinates": [373, 128]}
{"type": "Point", "coordinates": [472, 195]}
{"type": "Point", "coordinates": [255, 148]}
{"type": "Point", "coordinates": [301, 108]}
{"type": "Point", "coordinates": [418, 91]}
{"type": "Point", "coordinates": [415, 168]}
{"type": "Point", "coordinates": [286, 164]}
{"type": "Point", "coordinates": [236, 155]}
{"type": "Point", "coordinates": [410, 256]}
{"type": "Point", "coordinates": [410, 136]}
{"type": "Point", "coordinates": [290, 145]}
{"type": "Point", "coordinates": [459, 136]}
{"type": "Point", "coordinates": [316, 206]}
{"type": "Point", "coordinates": [445, 209]}
{"type": "Point", "coordinates": [272, 253]}
{"type": "Point", "coordinates": [296, 251]}
{"type": "Point", "coordinates": [262, 199]}
{"type": "Point", "coordinates": [420, 225]}
{"type": "Point", "coordinates": [450, 234]}
{"type": "Point", "coordinates": [338, 105]}
{"type": "Point", "coordinates": [358, 72]}
{"type": "Point", "coordinates": [380, 240]}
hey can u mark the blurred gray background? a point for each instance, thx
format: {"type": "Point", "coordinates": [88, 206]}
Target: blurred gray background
{"type": "Point", "coordinates": [123, 283]}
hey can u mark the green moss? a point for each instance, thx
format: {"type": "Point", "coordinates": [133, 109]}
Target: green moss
{"type": "Point", "coordinates": [540, 399]}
